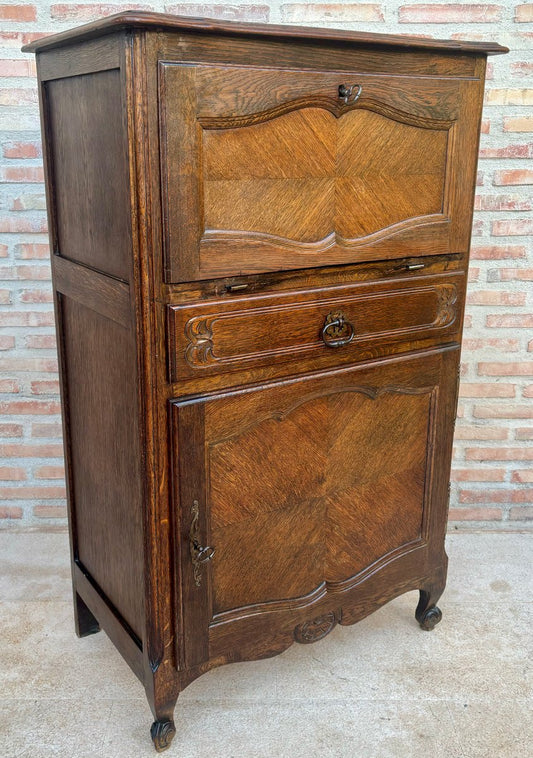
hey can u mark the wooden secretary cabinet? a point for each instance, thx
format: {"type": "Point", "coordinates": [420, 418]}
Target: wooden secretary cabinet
{"type": "Point", "coordinates": [260, 242]}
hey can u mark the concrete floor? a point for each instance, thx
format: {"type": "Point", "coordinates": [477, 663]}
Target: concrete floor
{"type": "Point", "coordinates": [380, 689]}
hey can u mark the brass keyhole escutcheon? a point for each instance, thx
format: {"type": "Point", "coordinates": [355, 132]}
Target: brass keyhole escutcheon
{"type": "Point", "coordinates": [199, 553]}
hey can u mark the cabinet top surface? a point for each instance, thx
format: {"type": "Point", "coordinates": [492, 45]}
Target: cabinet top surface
{"type": "Point", "coordinates": [169, 23]}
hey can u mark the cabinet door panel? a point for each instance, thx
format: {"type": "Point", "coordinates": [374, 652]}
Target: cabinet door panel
{"type": "Point", "coordinates": [273, 170]}
{"type": "Point", "coordinates": [306, 486]}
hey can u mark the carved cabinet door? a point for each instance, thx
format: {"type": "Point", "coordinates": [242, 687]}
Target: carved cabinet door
{"type": "Point", "coordinates": [268, 170]}
{"type": "Point", "coordinates": [290, 495]}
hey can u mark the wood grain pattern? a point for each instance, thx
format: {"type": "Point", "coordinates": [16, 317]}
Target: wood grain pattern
{"type": "Point", "coordinates": [212, 201]}
{"type": "Point", "coordinates": [347, 456]}
{"type": "Point", "coordinates": [102, 415]}
{"type": "Point", "coordinates": [267, 170]}
{"type": "Point", "coordinates": [87, 155]}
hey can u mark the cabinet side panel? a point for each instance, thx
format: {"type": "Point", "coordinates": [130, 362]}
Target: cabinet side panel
{"type": "Point", "coordinates": [87, 160]}
{"type": "Point", "coordinates": [99, 357]}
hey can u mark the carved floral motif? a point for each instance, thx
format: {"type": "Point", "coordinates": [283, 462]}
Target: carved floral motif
{"type": "Point", "coordinates": [317, 629]}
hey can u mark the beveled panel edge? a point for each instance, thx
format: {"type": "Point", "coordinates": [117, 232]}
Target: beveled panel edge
{"type": "Point", "coordinates": [323, 590]}
{"type": "Point", "coordinates": [167, 22]}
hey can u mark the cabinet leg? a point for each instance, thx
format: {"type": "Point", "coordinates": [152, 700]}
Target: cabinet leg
{"type": "Point", "coordinates": [84, 620]}
{"type": "Point", "coordinates": [427, 613]}
{"type": "Point", "coordinates": [162, 730]}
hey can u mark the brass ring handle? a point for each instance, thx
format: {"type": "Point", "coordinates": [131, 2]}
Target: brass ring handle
{"type": "Point", "coordinates": [336, 331]}
{"type": "Point", "coordinates": [346, 91]}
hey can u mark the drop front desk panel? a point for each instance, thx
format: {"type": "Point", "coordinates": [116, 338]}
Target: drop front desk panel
{"type": "Point", "coordinates": [260, 242]}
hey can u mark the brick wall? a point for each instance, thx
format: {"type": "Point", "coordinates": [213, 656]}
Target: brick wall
{"type": "Point", "coordinates": [493, 469]}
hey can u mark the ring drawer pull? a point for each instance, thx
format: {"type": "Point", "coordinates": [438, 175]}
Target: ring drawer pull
{"type": "Point", "coordinates": [336, 331]}
{"type": "Point", "coordinates": [347, 90]}
{"type": "Point", "coordinates": [199, 554]}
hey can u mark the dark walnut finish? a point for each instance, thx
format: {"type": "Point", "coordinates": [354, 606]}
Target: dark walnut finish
{"type": "Point", "coordinates": [260, 242]}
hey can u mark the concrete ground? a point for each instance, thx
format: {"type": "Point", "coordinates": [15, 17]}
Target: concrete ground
{"type": "Point", "coordinates": [380, 689]}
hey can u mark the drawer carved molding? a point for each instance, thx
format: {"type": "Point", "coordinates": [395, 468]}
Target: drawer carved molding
{"type": "Point", "coordinates": [204, 348]}
{"type": "Point", "coordinates": [261, 237]}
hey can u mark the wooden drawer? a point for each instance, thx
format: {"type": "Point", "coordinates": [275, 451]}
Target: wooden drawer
{"type": "Point", "coordinates": [268, 170]}
{"type": "Point", "coordinates": [331, 325]}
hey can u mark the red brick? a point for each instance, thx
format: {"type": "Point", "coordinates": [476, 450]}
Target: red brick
{"type": "Point", "coordinates": [521, 514]}
{"type": "Point", "coordinates": [485, 126]}
{"type": "Point", "coordinates": [509, 151]}
{"type": "Point", "coordinates": [46, 365]}
{"type": "Point", "coordinates": [502, 411]}
{"type": "Point", "coordinates": [522, 496]}
{"type": "Point", "coordinates": [18, 12]}
{"type": "Point", "coordinates": [511, 274]}
{"type": "Point", "coordinates": [50, 472]}
{"type": "Point", "coordinates": [35, 273]}
{"type": "Point", "coordinates": [526, 433]}
{"type": "Point", "coordinates": [496, 297]}
{"type": "Point", "coordinates": [12, 474]}
{"type": "Point", "coordinates": [490, 389]}
{"type": "Point", "coordinates": [522, 68]}
{"type": "Point", "coordinates": [11, 430]}
{"type": "Point", "coordinates": [523, 476]}
{"type": "Point", "coordinates": [508, 96]}
{"type": "Point", "coordinates": [39, 342]}
{"type": "Point", "coordinates": [3, 251]}
{"type": "Point", "coordinates": [32, 251]}
{"type": "Point", "coordinates": [528, 391]}
{"type": "Point", "coordinates": [497, 252]}
{"type": "Point", "coordinates": [510, 321]}
{"type": "Point", "coordinates": [26, 318]}
{"type": "Point", "coordinates": [33, 407]}
{"type": "Point", "coordinates": [18, 96]}
{"type": "Point", "coordinates": [471, 497]}
{"type": "Point", "coordinates": [6, 342]}
{"type": "Point", "coordinates": [32, 493]}
{"type": "Point", "coordinates": [50, 511]}
{"type": "Point", "coordinates": [308, 13]}
{"type": "Point", "coordinates": [229, 12]}
{"type": "Point", "coordinates": [513, 176]}
{"type": "Point", "coordinates": [21, 225]}
{"type": "Point", "coordinates": [505, 369]}
{"type": "Point", "coordinates": [518, 123]}
{"type": "Point", "coordinates": [518, 228]}
{"type": "Point", "coordinates": [499, 454]}
{"type": "Point", "coordinates": [29, 174]}
{"type": "Point", "coordinates": [9, 385]}
{"type": "Point", "coordinates": [506, 346]}
{"type": "Point", "coordinates": [7, 511]}
{"type": "Point", "coordinates": [21, 150]}
{"type": "Point", "coordinates": [524, 12]}
{"type": "Point", "coordinates": [50, 431]}
{"type": "Point", "coordinates": [478, 475]}
{"type": "Point", "coordinates": [36, 296]}
{"type": "Point", "coordinates": [473, 432]}
{"type": "Point", "coordinates": [502, 203]}
{"type": "Point", "coordinates": [45, 388]}
{"type": "Point", "coordinates": [457, 13]}
{"type": "Point", "coordinates": [17, 67]}
{"type": "Point", "coordinates": [85, 12]}
{"type": "Point", "coordinates": [475, 514]}
{"type": "Point", "coordinates": [31, 451]}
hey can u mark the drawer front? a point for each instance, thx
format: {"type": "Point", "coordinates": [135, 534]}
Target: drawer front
{"type": "Point", "coordinates": [267, 170]}
{"type": "Point", "coordinates": [331, 325]}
